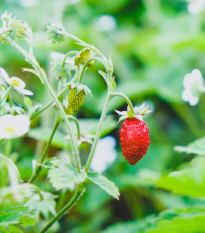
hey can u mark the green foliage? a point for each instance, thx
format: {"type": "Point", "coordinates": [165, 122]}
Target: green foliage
{"type": "Point", "coordinates": [42, 203]}
{"type": "Point", "coordinates": [190, 180]}
{"type": "Point", "coordinates": [104, 184]}
{"type": "Point", "coordinates": [11, 216]}
{"type": "Point", "coordinates": [87, 126]}
{"type": "Point", "coordinates": [153, 45]}
{"type": "Point", "coordinates": [196, 147]}
{"type": "Point", "coordinates": [187, 222]}
{"type": "Point", "coordinates": [63, 175]}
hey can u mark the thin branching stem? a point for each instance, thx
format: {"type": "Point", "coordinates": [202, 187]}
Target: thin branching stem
{"type": "Point", "coordinates": [70, 204]}
{"type": "Point", "coordinates": [45, 152]}
{"type": "Point", "coordinates": [97, 135]}
{"type": "Point", "coordinates": [42, 75]}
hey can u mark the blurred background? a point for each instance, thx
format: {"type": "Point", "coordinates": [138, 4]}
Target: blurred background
{"type": "Point", "coordinates": [154, 44]}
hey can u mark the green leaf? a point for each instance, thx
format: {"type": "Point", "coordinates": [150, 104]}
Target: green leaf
{"type": "Point", "coordinates": [10, 229]}
{"type": "Point", "coordinates": [65, 175]}
{"type": "Point", "coordinates": [128, 226]}
{"type": "Point", "coordinates": [43, 204]}
{"type": "Point", "coordinates": [16, 193]}
{"type": "Point", "coordinates": [104, 184]}
{"type": "Point", "coordinates": [196, 147]}
{"type": "Point", "coordinates": [88, 126]}
{"type": "Point", "coordinates": [190, 180]}
{"type": "Point", "coordinates": [190, 222]}
{"type": "Point", "coordinates": [43, 134]}
{"type": "Point", "coordinates": [13, 172]}
{"type": "Point", "coordinates": [27, 101]}
{"type": "Point", "coordinates": [15, 215]}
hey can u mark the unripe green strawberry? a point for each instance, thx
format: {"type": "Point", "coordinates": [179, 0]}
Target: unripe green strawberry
{"type": "Point", "coordinates": [84, 56]}
{"type": "Point", "coordinates": [75, 100]}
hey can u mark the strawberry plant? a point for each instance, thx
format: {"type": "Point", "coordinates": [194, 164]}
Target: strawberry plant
{"type": "Point", "coordinates": [29, 201]}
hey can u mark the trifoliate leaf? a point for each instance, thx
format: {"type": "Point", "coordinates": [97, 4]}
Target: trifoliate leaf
{"type": "Point", "coordinates": [104, 184]}
{"type": "Point", "coordinates": [42, 204]}
{"type": "Point", "coordinates": [65, 176]}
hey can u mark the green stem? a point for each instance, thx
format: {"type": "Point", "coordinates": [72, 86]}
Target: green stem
{"type": "Point", "coordinates": [83, 43]}
{"type": "Point", "coordinates": [7, 91]}
{"type": "Point", "coordinates": [61, 110]}
{"type": "Point", "coordinates": [38, 166]}
{"type": "Point", "coordinates": [85, 65]}
{"type": "Point", "coordinates": [189, 118]}
{"type": "Point", "coordinates": [113, 94]}
{"type": "Point", "coordinates": [76, 123]}
{"type": "Point", "coordinates": [43, 78]}
{"type": "Point", "coordinates": [63, 64]}
{"type": "Point", "coordinates": [3, 31]}
{"type": "Point", "coordinates": [70, 204]}
{"type": "Point", "coordinates": [8, 147]}
{"type": "Point", "coordinates": [10, 101]}
{"type": "Point", "coordinates": [97, 136]}
{"type": "Point", "coordinates": [47, 105]}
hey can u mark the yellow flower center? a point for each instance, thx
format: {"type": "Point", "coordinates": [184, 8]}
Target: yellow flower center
{"type": "Point", "coordinates": [10, 129]}
{"type": "Point", "coordinates": [15, 82]}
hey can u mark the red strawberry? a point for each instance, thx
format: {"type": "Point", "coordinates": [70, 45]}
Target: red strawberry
{"type": "Point", "coordinates": [134, 138]}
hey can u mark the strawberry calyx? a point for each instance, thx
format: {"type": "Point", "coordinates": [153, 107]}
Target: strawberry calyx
{"type": "Point", "coordinates": [138, 113]}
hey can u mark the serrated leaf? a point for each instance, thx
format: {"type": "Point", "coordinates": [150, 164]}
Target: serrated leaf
{"type": "Point", "coordinates": [196, 147]}
{"type": "Point", "coordinates": [27, 221]}
{"type": "Point", "coordinates": [65, 176]}
{"type": "Point", "coordinates": [17, 192]}
{"type": "Point", "coordinates": [104, 184]}
{"type": "Point", "coordinates": [43, 204]}
{"type": "Point", "coordinates": [13, 215]}
{"type": "Point", "coordinates": [30, 70]}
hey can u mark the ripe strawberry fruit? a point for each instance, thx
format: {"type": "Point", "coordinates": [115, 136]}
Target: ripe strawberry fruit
{"type": "Point", "coordinates": [134, 138]}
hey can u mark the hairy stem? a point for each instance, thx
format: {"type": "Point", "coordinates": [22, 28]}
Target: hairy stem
{"type": "Point", "coordinates": [125, 98]}
{"type": "Point", "coordinates": [47, 105]}
{"type": "Point", "coordinates": [43, 78]}
{"type": "Point", "coordinates": [64, 60]}
{"type": "Point", "coordinates": [43, 156]}
{"type": "Point", "coordinates": [70, 204]}
{"type": "Point", "coordinates": [97, 136]}
{"type": "Point", "coordinates": [84, 67]}
{"type": "Point", "coordinates": [5, 30]}
{"type": "Point", "coordinates": [76, 123]}
{"type": "Point", "coordinates": [7, 92]}
{"type": "Point", "coordinates": [83, 43]}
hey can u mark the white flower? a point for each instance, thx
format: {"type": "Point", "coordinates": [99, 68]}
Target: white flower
{"type": "Point", "coordinates": [105, 154]}
{"type": "Point", "coordinates": [17, 83]}
{"type": "Point", "coordinates": [13, 126]}
{"type": "Point", "coordinates": [193, 87]}
{"type": "Point", "coordinates": [106, 23]}
{"type": "Point", "coordinates": [196, 6]}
